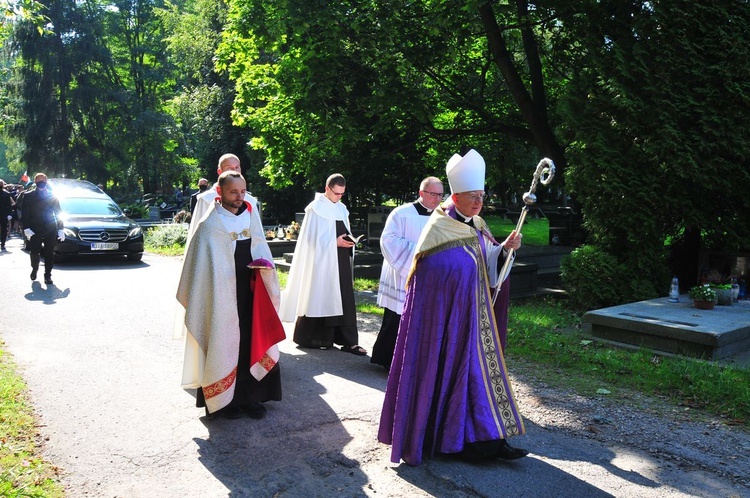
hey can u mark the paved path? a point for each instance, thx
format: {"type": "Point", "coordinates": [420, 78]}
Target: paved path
{"type": "Point", "coordinates": [103, 374]}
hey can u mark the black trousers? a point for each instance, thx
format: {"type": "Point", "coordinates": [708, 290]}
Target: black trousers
{"type": "Point", "coordinates": [4, 229]}
{"type": "Point", "coordinates": [43, 243]}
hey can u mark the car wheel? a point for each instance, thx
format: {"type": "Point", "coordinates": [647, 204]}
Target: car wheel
{"type": "Point", "coordinates": [135, 256]}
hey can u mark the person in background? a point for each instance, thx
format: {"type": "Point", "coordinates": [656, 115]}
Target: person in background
{"type": "Point", "coordinates": [202, 187]}
{"type": "Point", "coordinates": [397, 243]}
{"type": "Point", "coordinates": [448, 389]}
{"type": "Point", "coordinates": [229, 293]}
{"type": "Point", "coordinates": [18, 199]}
{"type": "Point", "coordinates": [42, 225]}
{"type": "Point", "coordinates": [319, 293]}
{"type": "Point", "coordinates": [6, 213]}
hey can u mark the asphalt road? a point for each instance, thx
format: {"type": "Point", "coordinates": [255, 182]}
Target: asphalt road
{"type": "Point", "coordinates": [96, 351]}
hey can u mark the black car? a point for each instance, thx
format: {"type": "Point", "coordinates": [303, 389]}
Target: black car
{"type": "Point", "coordinates": [94, 223]}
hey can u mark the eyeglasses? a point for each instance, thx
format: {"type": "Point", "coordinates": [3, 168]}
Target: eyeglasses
{"type": "Point", "coordinates": [336, 193]}
{"type": "Point", "coordinates": [434, 195]}
{"type": "Point", "coordinates": [476, 197]}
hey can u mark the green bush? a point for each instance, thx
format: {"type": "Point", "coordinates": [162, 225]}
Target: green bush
{"type": "Point", "coordinates": [592, 277]}
{"type": "Point", "coordinates": [595, 278]}
{"type": "Point", "coordinates": [163, 236]}
{"type": "Point", "coordinates": [135, 210]}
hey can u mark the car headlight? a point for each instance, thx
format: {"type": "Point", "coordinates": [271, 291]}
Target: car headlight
{"type": "Point", "coordinates": [70, 234]}
{"type": "Point", "coordinates": [135, 232]}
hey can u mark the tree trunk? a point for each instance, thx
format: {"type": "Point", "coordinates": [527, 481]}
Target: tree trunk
{"type": "Point", "coordinates": [533, 110]}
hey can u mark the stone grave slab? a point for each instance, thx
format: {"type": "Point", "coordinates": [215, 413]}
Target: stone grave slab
{"type": "Point", "coordinates": [676, 328]}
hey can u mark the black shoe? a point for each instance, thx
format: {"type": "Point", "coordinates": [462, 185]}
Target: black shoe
{"type": "Point", "coordinates": [48, 280]}
{"type": "Point", "coordinates": [232, 412]}
{"type": "Point", "coordinates": [508, 452]}
{"type": "Point", "coordinates": [33, 274]}
{"type": "Point", "coordinates": [255, 410]}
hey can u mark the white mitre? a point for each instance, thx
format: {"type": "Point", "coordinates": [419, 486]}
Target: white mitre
{"type": "Point", "coordinates": [465, 174]}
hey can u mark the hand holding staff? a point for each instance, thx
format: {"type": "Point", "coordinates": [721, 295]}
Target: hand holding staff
{"type": "Point", "coordinates": [544, 173]}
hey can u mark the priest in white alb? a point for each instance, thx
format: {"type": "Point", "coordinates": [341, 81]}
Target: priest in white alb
{"type": "Point", "coordinates": [398, 242]}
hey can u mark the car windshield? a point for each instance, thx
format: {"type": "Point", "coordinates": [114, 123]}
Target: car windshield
{"type": "Point", "coordinates": [73, 206]}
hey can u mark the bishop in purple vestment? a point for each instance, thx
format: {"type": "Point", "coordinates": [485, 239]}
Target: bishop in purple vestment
{"type": "Point", "coordinates": [448, 389]}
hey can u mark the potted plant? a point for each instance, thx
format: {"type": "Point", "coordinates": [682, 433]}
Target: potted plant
{"type": "Point", "coordinates": [292, 231]}
{"type": "Point", "coordinates": [723, 294]}
{"type": "Point", "coordinates": [703, 296]}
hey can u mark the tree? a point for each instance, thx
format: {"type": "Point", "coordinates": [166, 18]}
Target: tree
{"type": "Point", "coordinates": [385, 91]}
{"type": "Point", "coordinates": [658, 119]}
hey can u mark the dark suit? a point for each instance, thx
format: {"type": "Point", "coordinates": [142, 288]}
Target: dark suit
{"type": "Point", "coordinates": [41, 213]}
{"type": "Point", "coordinates": [6, 209]}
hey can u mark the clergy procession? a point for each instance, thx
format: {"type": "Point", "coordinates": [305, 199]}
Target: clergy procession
{"type": "Point", "coordinates": [445, 311]}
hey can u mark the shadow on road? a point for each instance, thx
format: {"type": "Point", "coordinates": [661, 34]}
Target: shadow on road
{"type": "Point", "coordinates": [48, 295]}
{"type": "Point", "coordinates": [297, 449]}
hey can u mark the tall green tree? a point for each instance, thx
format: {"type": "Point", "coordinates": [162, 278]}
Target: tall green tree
{"type": "Point", "coordinates": [144, 75]}
{"type": "Point", "coordinates": [48, 63]}
{"type": "Point", "coordinates": [385, 91]}
{"type": "Point", "coordinates": [658, 122]}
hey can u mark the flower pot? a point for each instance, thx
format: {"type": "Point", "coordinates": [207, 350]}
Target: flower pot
{"type": "Point", "coordinates": [724, 297]}
{"type": "Point", "coordinates": [703, 305]}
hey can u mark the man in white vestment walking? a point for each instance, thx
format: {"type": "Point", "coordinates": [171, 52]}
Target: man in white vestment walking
{"type": "Point", "coordinates": [229, 294]}
{"type": "Point", "coordinates": [319, 294]}
{"type": "Point", "coordinates": [398, 243]}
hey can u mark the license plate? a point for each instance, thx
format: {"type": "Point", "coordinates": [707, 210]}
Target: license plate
{"type": "Point", "coordinates": [104, 246]}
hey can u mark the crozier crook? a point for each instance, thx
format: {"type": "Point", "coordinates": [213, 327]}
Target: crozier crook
{"type": "Point", "coordinates": [544, 173]}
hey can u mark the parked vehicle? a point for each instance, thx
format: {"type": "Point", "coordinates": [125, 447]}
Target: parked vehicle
{"type": "Point", "coordinates": [94, 223]}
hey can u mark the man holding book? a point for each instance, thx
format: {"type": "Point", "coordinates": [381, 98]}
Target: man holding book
{"type": "Point", "coordinates": [319, 294]}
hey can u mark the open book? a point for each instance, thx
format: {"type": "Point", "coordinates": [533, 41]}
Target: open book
{"type": "Point", "coordinates": [351, 238]}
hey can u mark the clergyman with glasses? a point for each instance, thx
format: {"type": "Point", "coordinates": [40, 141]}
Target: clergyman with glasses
{"type": "Point", "coordinates": [398, 243]}
{"type": "Point", "coordinates": [448, 389]}
{"type": "Point", "coordinates": [319, 293]}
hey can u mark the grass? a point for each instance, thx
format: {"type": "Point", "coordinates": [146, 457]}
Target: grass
{"type": "Point", "coordinates": [535, 232]}
{"type": "Point", "coordinates": [22, 471]}
{"type": "Point", "coordinates": [544, 332]}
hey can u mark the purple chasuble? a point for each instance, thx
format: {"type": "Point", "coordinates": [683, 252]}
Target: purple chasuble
{"type": "Point", "coordinates": [448, 384]}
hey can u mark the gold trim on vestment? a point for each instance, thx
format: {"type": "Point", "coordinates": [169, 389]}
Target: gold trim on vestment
{"type": "Point", "coordinates": [245, 233]}
{"type": "Point", "coordinates": [493, 365]}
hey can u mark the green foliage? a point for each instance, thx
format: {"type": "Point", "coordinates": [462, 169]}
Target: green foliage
{"type": "Point", "coordinates": [702, 293]}
{"type": "Point", "coordinates": [592, 277]}
{"type": "Point", "coordinates": [654, 147]}
{"type": "Point", "coordinates": [166, 236]}
{"type": "Point", "coordinates": [137, 210]}
{"type": "Point", "coordinates": [22, 471]}
{"type": "Point", "coordinates": [379, 92]}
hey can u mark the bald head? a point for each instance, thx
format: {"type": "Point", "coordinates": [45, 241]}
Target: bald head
{"type": "Point", "coordinates": [229, 162]}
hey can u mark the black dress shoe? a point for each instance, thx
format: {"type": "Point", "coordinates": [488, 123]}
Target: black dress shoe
{"type": "Point", "coordinates": [33, 275]}
{"type": "Point", "coordinates": [508, 452]}
{"type": "Point", "coordinates": [255, 410]}
{"type": "Point", "coordinates": [48, 280]}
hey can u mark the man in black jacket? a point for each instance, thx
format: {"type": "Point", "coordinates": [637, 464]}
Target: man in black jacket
{"type": "Point", "coordinates": [6, 214]}
{"type": "Point", "coordinates": [42, 225]}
